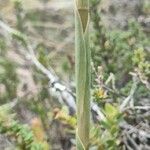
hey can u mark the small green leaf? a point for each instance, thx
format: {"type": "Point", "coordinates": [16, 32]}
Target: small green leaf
{"type": "Point", "coordinates": [111, 111]}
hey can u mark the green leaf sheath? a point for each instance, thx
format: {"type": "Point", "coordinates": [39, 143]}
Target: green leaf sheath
{"type": "Point", "coordinates": [82, 3]}
{"type": "Point", "coordinates": [82, 76]}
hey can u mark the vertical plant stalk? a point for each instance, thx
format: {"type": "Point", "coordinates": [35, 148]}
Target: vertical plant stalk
{"type": "Point", "coordinates": [82, 70]}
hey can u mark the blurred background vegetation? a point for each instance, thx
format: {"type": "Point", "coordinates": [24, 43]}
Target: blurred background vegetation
{"type": "Point", "coordinates": [33, 111]}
